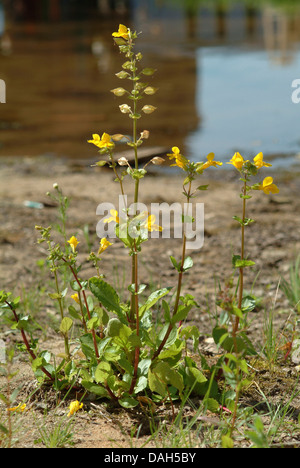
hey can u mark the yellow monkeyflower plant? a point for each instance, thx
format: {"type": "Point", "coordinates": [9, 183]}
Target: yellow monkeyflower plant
{"type": "Point", "coordinates": [104, 142]}
{"type": "Point", "coordinates": [211, 162]}
{"type": "Point", "coordinates": [75, 298]}
{"type": "Point", "coordinates": [247, 169]}
{"type": "Point", "coordinates": [268, 187]}
{"type": "Point", "coordinates": [150, 224]}
{"type": "Point", "coordinates": [237, 161]}
{"type": "Point", "coordinates": [180, 161]}
{"type": "Point", "coordinates": [114, 218]}
{"type": "Point", "coordinates": [259, 161]}
{"type": "Point", "coordinates": [18, 409]}
{"type": "Point", "coordinates": [73, 243]}
{"type": "Point", "coordinates": [104, 244]}
{"type": "Point", "coordinates": [126, 346]}
{"type": "Point", "coordinates": [122, 32]}
{"type": "Point", "coordinates": [75, 406]}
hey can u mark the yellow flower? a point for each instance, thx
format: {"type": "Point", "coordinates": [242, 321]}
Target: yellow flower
{"type": "Point", "coordinates": [150, 224]}
{"type": "Point", "coordinates": [74, 407]}
{"type": "Point", "coordinates": [75, 298]}
{"type": "Point", "coordinates": [237, 161]}
{"type": "Point", "coordinates": [18, 409]}
{"type": "Point", "coordinates": [123, 32]}
{"type": "Point", "coordinates": [259, 161]}
{"type": "Point", "coordinates": [104, 244]}
{"type": "Point", "coordinates": [114, 217]}
{"type": "Point", "coordinates": [268, 187]}
{"type": "Point", "coordinates": [73, 243]}
{"type": "Point", "coordinates": [210, 162]}
{"type": "Point", "coordinates": [103, 142]}
{"type": "Point", "coordinates": [181, 161]}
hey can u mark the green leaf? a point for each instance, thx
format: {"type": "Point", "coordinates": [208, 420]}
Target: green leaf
{"type": "Point", "coordinates": [155, 385]}
{"type": "Point", "coordinates": [115, 328]}
{"type": "Point", "coordinates": [102, 372]}
{"type": "Point", "coordinates": [237, 262]}
{"type": "Point", "coordinates": [141, 384]}
{"type": "Point", "coordinates": [3, 429]}
{"type": "Point", "coordinates": [141, 288]}
{"type": "Point", "coordinates": [93, 323]}
{"type": "Point", "coordinates": [176, 265]}
{"type": "Point", "coordinates": [87, 345]}
{"type": "Point", "coordinates": [148, 71]}
{"type": "Point", "coordinates": [202, 187]}
{"type": "Point", "coordinates": [4, 296]}
{"type": "Point", "coordinates": [188, 263]}
{"type": "Point", "coordinates": [248, 304]}
{"type": "Point", "coordinates": [169, 376]}
{"type": "Point", "coordinates": [153, 299]}
{"type": "Point", "coordinates": [181, 315]}
{"type": "Point", "coordinates": [227, 442]}
{"type": "Point", "coordinates": [193, 332]}
{"type": "Point", "coordinates": [212, 405]}
{"type": "Point", "coordinates": [144, 366]}
{"type": "Point", "coordinates": [246, 221]}
{"type": "Point", "coordinates": [102, 315]}
{"type": "Point", "coordinates": [237, 312]}
{"type": "Point", "coordinates": [128, 402]}
{"type": "Point", "coordinates": [105, 294]}
{"type": "Point", "coordinates": [55, 296]}
{"type": "Point", "coordinates": [188, 219]}
{"type": "Point", "coordinates": [172, 351]}
{"type": "Point", "coordinates": [134, 341]}
{"type": "Point", "coordinates": [93, 388]}
{"type": "Point", "coordinates": [66, 325]}
{"type": "Point", "coordinates": [73, 312]}
{"type": "Point", "coordinates": [167, 315]}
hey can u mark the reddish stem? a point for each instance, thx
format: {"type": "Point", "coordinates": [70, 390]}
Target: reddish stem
{"type": "Point", "coordinates": [26, 341]}
{"type": "Point", "coordinates": [86, 305]}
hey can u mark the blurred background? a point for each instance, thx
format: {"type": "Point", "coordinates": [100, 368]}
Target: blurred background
{"type": "Point", "coordinates": [225, 73]}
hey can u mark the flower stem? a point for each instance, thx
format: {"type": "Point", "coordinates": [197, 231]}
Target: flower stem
{"type": "Point", "coordinates": [86, 306]}
{"type": "Point", "coordinates": [137, 349]}
{"type": "Point", "coordinates": [59, 300]}
{"type": "Point", "coordinates": [179, 286]}
{"type": "Point", "coordinates": [29, 350]}
{"type": "Point", "coordinates": [133, 310]}
{"type": "Point", "coordinates": [241, 277]}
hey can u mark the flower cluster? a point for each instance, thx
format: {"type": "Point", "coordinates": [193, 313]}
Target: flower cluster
{"type": "Point", "coordinates": [246, 166]}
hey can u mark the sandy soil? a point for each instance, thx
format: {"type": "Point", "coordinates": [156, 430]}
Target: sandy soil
{"type": "Point", "coordinates": [272, 241]}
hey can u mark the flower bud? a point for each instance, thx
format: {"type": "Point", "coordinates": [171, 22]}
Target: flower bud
{"type": "Point", "coordinates": [123, 161]}
{"type": "Point", "coordinates": [145, 134]}
{"type": "Point", "coordinates": [125, 109]}
{"type": "Point", "coordinates": [148, 109]}
{"type": "Point", "coordinates": [118, 91]}
{"type": "Point", "coordinates": [117, 137]}
{"type": "Point", "coordinates": [122, 75]}
{"type": "Point", "coordinates": [157, 161]}
{"type": "Point", "coordinates": [150, 90]}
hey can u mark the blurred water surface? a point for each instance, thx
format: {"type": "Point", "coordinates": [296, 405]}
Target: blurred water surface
{"type": "Point", "coordinates": [225, 74]}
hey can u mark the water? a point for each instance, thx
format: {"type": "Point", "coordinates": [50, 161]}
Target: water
{"type": "Point", "coordinates": [224, 77]}
{"type": "Point", "coordinates": [245, 101]}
